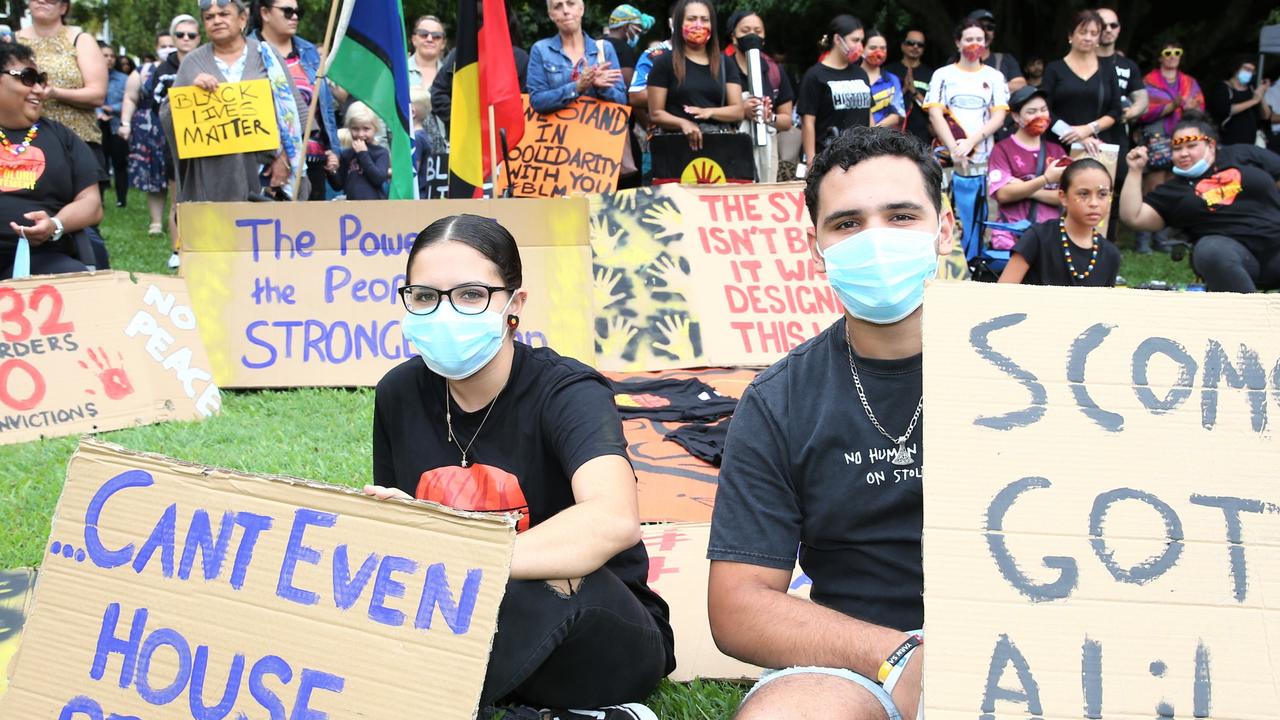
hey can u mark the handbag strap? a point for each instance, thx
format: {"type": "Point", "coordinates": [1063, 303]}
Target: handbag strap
{"type": "Point", "coordinates": [1035, 204]}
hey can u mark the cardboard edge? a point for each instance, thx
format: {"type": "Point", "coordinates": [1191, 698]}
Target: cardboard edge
{"type": "Point", "coordinates": [26, 613]}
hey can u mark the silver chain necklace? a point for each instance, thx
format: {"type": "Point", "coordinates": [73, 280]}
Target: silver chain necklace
{"type": "Point", "coordinates": [448, 420]}
{"type": "Point", "coordinates": [900, 455]}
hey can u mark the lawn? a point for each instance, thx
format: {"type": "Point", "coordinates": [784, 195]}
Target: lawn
{"type": "Point", "coordinates": [320, 434]}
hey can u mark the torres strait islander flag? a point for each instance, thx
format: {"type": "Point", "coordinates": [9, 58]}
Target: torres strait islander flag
{"type": "Point", "coordinates": [484, 75]}
{"type": "Point", "coordinates": [370, 61]}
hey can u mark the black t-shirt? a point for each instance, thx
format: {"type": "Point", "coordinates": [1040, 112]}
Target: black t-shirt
{"type": "Point", "coordinates": [685, 400]}
{"type": "Point", "coordinates": [1076, 101]}
{"type": "Point", "coordinates": [554, 415]}
{"type": "Point", "coordinates": [1006, 63]}
{"type": "Point", "coordinates": [627, 55]}
{"type": "Point", "coordinates": [1128, 77]}
{"type": "Point", "coordinates": [1041, 246]}
{"type": "Point", "coordinates": [55, 168]}
{"type": "Point", "coordinates": [917, 117]}
{"type": "Point", "coordinates": [1237, 198]}
{"type": "Point", "coordinates": [699, 89]}
{"type": "Point", "coordinates": [837, 100]}
{"type": "Point", "coordinates": [805, 468]}
{"type": "Point", "coordinates": [1241, 128]}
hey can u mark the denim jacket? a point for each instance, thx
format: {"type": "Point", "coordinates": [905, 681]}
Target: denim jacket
{"type": "Point", "coordinates": [551, 83]}
{"type": "Point", "coordinates": [309, 56]}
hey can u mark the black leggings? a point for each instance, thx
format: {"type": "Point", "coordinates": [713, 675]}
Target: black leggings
{"type": "Point", "coordinates": [1227, 266]}
{"type": "Point", "coordinates": [597, 646]}
{"type": "Point", "coordinates": [50, 261]}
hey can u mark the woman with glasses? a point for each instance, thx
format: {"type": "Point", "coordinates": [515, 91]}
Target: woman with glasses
{"type": "Point", "coordinates": [571, 63]}
{"type": "Point", "coordinates": [77, 74]}
{"type": "Point", "coordinates": [1170, 93]}
{"type": "Point", "coordinates": [49, 183]}
{"type": "Point", "coordinates": [482, 422]}
{"type": "Point", "coordinates": [230, 56]}
{"type": "Point", "coordinates": [429, 43]}
{"type": "Point", "coordinates": [276, 23]}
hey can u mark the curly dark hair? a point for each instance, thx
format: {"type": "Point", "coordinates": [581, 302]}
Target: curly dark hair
{"type": "Point", "coordinates": [864, 143]}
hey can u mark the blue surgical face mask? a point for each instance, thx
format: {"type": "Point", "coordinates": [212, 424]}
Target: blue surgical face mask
{"type": "Point", "coordinates": [1201, 167]}
{"type": "Point", "coordinates": [879, 273]}
{"type": "Point", "coordinates": [633, 39]}
{"type": "Point", "coordinates": [1244, 77]}
{"type": "Point", "coordinates": [454, 345]}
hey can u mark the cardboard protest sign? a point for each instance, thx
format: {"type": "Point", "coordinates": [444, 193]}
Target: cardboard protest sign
{"type": "Point", "coordinates": [1101, 517]}
{"type": "Point", "coordinates": [93, 352]}
{"type": "Point", "coordinates": [435, 168]}
{"type": "Point", "coordinates": [574, 150]}
{"type": "Point", "coordinates": [172, 590]}
{"type": "Point", "coordinates": [15, 596]}
{"type": "Point", "coordinates": [238, 117]}
{"type": "Point", "coordinates": [724, 158]}
{"type": "Point", "coordinates": [678, 571]}
{"type": "Point", "coordinates": [298, 294]}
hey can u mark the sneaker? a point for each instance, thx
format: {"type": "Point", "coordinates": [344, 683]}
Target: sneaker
{"type": "Point", "coordinates": [629, 711]}
{"type": "Point", "coordinates": [174, 261]}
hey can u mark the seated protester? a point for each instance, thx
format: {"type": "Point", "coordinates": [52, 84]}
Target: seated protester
{"type": "Point", "coordinates": [1069, 250]}
{"type": "Point", "coordinates": [887, 109]}
{"type": "Point", "coordinates": [694, 88]}
{"type": "Point", "coordinates": [835, 94]}
{"type": "Point", "coordinates": [482, 422]}
{"type": "Point", "coordinates": [571, 64]}
{"type": "Point", "coordinates": [1238, 108]}
{"type": "Point", "coordinates": [879, 230]}
{"type": "Point", "coordinates": [48, 175]}
{"type": "Point", "coordinates": [1024, 170]}
{"type": "Point", "coordinates": [1225, 198]}
{"type": "Point", "coordinates": [362, 170]}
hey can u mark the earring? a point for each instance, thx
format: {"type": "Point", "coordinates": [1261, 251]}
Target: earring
{"type": "Point", "coordinates": [513, 321]}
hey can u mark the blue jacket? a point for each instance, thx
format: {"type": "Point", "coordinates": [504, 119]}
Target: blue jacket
{"type": "Point", "coordinates": [551, 83]}
{"type": "Point", "coordinates": [309, 56]}
{"type": "Point", "coordinates": [115, 97]}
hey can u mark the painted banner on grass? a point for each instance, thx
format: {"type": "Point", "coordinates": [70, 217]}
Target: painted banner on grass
{"type": "Point", "coordinates": [305, 294]}
{"type": "Point", "coordinates": [1110, 545]}
{"type": "Point", "coordinates": [574, 150]}
{"type": "Point", "coordinates": [181, 591]}
{"type": "Point", "coordinates": [98, 351]}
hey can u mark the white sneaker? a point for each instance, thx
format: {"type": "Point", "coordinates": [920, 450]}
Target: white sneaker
{"type": "Point", "coordinates": [174, 261]}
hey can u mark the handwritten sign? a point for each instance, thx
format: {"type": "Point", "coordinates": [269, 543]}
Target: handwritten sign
{"type": "Point", "coordinates": [293, 295]}
{"type": "Point", "coordinates": [1108, 548]}
{"type": "Point", "coordinates": [577, 149]}
{"type": "Point", "coordinates": [238, 117]}
{"type": "Point", "coordinates": [178, 591]}
{"type": "Point", "coordinates": [93, 352]}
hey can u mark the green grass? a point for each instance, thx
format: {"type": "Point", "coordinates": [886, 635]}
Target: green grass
{"type": "Point", "coordinates": [319, 434]}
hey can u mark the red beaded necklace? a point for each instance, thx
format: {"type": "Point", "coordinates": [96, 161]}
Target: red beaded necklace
{"type": "Point", "coordinates": [26, 141]}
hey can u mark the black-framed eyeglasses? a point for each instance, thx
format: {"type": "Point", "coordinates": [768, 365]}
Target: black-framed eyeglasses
{"type": "Point", "coordinates": [471, 299]}
{"type": "Point", "coordinates": [30, 76]}
{"type": "Point", "coordinates": [289, 13]}
{"type": "Point", "coordinates": [186, 35]}
{"type": "Point", "coordinates": [431, 34]}
{"type": "Point", "coordinates": [913, 43]}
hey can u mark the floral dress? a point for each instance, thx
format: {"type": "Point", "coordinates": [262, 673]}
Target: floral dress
{"type": "Point", "coordinates": [149, 163]}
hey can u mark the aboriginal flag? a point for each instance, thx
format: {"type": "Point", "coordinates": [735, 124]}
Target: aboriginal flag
{"type": "Point", "coordinates": [484, 75]}
{"type": "Point", "coordinates": [369, 60]}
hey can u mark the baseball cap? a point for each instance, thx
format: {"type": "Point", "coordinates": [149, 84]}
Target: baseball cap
{"type": "Point", "coordinates": [628, 15]}
{"type": "Point", "coordinates": [980, 14]}
{"type": "Point", "coordinates": [1023, 95]}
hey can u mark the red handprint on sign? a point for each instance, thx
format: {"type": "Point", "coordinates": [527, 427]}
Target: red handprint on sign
{"type": "Point", "coordinates": [115, 382]}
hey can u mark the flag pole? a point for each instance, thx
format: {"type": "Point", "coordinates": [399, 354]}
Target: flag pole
{"type": "Point", "coordinates": [321, 73]}
{"type": "Point", "coordinates": [493, 155]}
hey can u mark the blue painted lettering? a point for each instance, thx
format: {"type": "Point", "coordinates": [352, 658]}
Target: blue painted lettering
{"type": "Point", "coordinates": [296, 552]}
{"type": "Point", "coordinates": [347, 588]}
{"type": "Point", "coordinates": [101, 556]}
{"type": "Point", "coordinates": [385, 587]}
{"type": "Point", "coordinates": [436, 593]}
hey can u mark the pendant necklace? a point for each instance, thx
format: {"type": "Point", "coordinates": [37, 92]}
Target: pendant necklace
{"type": "Point", "coordinates": [448, 420]}
{"type": "Point", "coordinates": [26, 141]}
{"type": "Point", "coordinates": [900, 454]}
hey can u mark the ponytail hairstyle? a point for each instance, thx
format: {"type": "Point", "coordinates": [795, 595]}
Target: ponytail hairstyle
{"type": "Point", "coordinates": [677, 39]}
{"type": "Point", "coordinates": [839, 26]}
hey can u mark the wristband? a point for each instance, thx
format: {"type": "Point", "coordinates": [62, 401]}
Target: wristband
{"type": "Point", "coordinates": [898, 657]}
{"type": "Point", "coordinates": [1094, 127]}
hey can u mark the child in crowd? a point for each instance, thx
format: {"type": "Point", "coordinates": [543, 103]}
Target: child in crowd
{"type": "Point", "coordinates": [1069, 250]}
{"type": "Point", "coordinates": [430, 142]}
{"type": "Point", "coordinates": [362, 170]}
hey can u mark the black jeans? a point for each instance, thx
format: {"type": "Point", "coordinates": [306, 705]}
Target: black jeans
{"type": "Point", "coordinates": [1227, 266]}
{"type": "Point", "coordinates": [598, 646]}
{"type": "Point", "coordinates": [44, 261]}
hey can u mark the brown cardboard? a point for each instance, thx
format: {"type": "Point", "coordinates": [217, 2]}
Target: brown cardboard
{"type": "Point", "coordinates": [383, 661]}
{"type": "Point", "coordinates": [678, 570]}
{"type": "Point", "coordinates": [331, 315]}
{"type": "Point", "coordinates": [15, 595]}
{"type": "Point", "coordinates": [1199, 638]}
{"type": "Point", "coordinates": [98, 351]}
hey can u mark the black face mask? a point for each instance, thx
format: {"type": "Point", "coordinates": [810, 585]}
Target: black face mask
{"type": "Point", "coordinates": [749, 42]}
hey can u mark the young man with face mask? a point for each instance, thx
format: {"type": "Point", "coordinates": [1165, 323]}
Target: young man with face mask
{"type": "Point", "coordinates": [824, 454]}
{"type": "Point", "coordinates": [1225, 198]}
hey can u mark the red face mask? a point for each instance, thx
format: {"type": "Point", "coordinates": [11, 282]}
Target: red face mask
{"type": "Point", "coordinates": [852, 54]}
{"type": "Point", "coordinates": [972, 52]}
{"type": "Point", "coordinates": [875, 58]}
{"type": "Point", "coordinates": [1037, 126]}
{"type": "Point", "coordinates": [696, 35]}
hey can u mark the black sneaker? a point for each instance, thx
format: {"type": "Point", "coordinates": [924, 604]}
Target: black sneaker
{"type": "Point", "coordinates": [629, 711]}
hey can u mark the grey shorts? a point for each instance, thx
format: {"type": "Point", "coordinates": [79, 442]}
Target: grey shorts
{"type": "Point", "coordinates": [871, 686]}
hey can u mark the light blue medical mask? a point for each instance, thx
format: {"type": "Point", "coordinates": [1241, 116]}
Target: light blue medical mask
{"type": "Point", "coordinates": [1201, 167]}
{"type": "Point", "coordinates": [879, 273]}
{"type": "Point", "coordinates": [454, 345]}
{"type": "Point", "coordinates": [1244, 77]}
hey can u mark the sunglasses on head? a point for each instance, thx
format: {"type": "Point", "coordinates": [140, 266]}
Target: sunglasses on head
{"type": "Point", "coordinates": [186, 35]}
{"type": "Point", "coordinates": [1171, 52]}
{"type": "Point", "coordinates": [1188, 139]}
{"type": "Point", "coordinates": [30, 76]}
{"type": "Point", "coordinates": [289, 13]}
{"type": "Point", "coordinates": [206, 4]}
{"type": "Point", "coordinates": [913, 43]}
{"type": "Point", "coordinates": [432, 34]}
